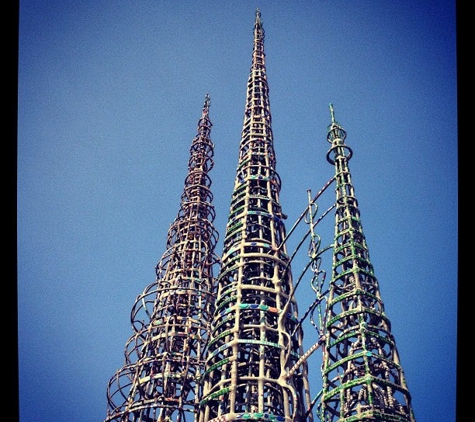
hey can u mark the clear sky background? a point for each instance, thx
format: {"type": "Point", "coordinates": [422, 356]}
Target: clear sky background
{"type": "Point", "coordinates": [110, 93]}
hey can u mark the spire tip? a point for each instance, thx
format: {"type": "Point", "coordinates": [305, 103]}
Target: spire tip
{"type": "Point", "coordinates": [332, 113]}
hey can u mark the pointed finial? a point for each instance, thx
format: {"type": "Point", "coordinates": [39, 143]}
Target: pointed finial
{"type": "Point", "coordinates": [206, 105]}
{"type": "Point", "coordinates": [258, 27]}
{"type": "Point", "coordinates": [332, 113]}
{"type": "Point", "coordinates": [258, 16]}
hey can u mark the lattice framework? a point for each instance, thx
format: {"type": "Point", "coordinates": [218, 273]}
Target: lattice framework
{"type": "Point", "coordinates": [255, 338]}
{"type": "Point", "coordinates": [363, 379]}
{"type": "Point", "coordinates": [165, 357]}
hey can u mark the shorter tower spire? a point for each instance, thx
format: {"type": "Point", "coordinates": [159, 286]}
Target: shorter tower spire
{"type": "Point", "coordinates": [362, 376]}
{"type": "Point", "coordinates": [164, 357]}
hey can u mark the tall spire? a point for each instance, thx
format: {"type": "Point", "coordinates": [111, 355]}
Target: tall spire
{"type": "Point", "coordinates": [255, 337]}
{"type": "Point", "coordinates": [164, 357]}
{"type": "Point", "coordinates": [362, 376]}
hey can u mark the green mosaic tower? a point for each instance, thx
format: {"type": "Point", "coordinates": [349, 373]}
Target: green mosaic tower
{"type": "Point", "coordinates": [362, 375]}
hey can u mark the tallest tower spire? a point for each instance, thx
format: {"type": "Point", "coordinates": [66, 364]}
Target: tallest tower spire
{"type": "Point", "coordinates": [255, 337]}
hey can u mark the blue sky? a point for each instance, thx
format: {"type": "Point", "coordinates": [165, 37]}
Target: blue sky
{"type": "Point", "coordinates": [109, 96]}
